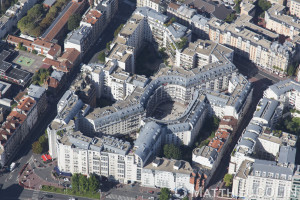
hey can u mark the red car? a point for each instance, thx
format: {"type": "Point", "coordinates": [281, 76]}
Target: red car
{"type": "Point", "coordinates": [151, 192]}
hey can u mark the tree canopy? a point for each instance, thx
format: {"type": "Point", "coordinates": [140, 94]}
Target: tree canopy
{"type": "Point", "coordinates": [73, 21]}
{"type": "Point", "coordinates": [264, 4]}
{"type": "Point", "coordinates": [228, 180]}
{"type": "Point", "coordinates": [82, 184]}
{"type": "Point", "coordinates": [172, 151]}
{"type": "Point", "coordinates": [118, 30]}
{"type": "Point", "coordinates": [230, 18]}
{"type": "Point", "coordinates": [165, 194]}
{"type": "Point", "coordinates": [182, 43]}
{"type": "Point", "coordinates": [101, 57]}
{"type": "Point", "coordinates": [41, 145]}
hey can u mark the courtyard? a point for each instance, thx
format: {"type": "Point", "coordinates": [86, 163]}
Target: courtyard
{"type": "Point", "coordinates": [28, 61]}
{"type": "Point", "coordinates": [169, 110]}
{"type": "Point", "coordinates": [22, 60]}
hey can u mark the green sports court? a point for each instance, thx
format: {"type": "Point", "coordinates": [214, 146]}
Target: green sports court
{"type": "Point", "coordinates": [25, 61]}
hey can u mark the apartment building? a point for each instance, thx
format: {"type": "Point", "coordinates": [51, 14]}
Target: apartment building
{"type": "Point", "coordinates": [91, 26]}
{"type": "Point", "coordinates": [17, 127]}
{"type": "Point", "coordinates": [96, 19]}
{"type": "Point", "coordinates": [253, 42]}
{"type": "Point", "coordinates": [153, 4]}
{"type": "Point", "coordinates": [109, 7]}
{"type": "Point", "coordinates": [263, 179]}
{"type": "Point", "coordinates": [166, 173]}
{"type": "Point", "coordinates": [286, 91]}
{"type": "Point", "coordinates": [295, 8]}
{"type": "Point", "coordinates": [277, 20]}
{"type": "Point", "coordinates": [13, 15]}
{"type": "Point", "coordinates": [38, 93]}
{"type": "Point", "coordinates": [203, 52]}
{"type": "Point", "coordinates": [205, 156]}
{"type": "Point", "coordinates": [104, 156]}
{"type": "Point", "coordinates": [268, 112]}
{"type": "Point", "coordinates": [70, 111]}
{"type": "Point", "coordinates": [80, 39]}
{"type": "Point", "coordinates": [295, 190]}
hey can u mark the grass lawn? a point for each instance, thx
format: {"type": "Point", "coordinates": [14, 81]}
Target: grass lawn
{"type": "Point", "coordinates": [70, 192]}
{"type": "Point", "coordinates": [25, 61]}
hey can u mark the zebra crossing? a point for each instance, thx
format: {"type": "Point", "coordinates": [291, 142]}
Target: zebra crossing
{"type": "Point", "coordinates": [119, 197]}
{"type": "Point", "coordinates": [35, 194]}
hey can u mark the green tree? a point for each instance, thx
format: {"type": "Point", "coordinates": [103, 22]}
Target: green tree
{"type": "Point", "coordinates": [73, 21]}
{"type": "Point", "coordinates": [37, 148]}
{"type": "Point", "coordinates": [83, 183]}
{"type": "Point", "coordinates": [182, 43]}
{"type": "Point", "coordinates": [185, 198]}
{"type": "Point", "coordinates": [101, 57]}
{"type": "Point", "coordinates": [94, 183]}
{"type": "Point", "coordinates": [108, 45]}
{"type": "Point", "coordinates": [264, 4]}
{"type": "Point", "coordinates": [118, 30]}
{"type": "Point", "coordinates": [172, 151]}
{"type": "Point", "coordinates": [237, 8]}
{"type": "Point", "coordinates": [228, 180]}
{"type": "Point", "coordinates": [75, 182]}
{"type": "Point", "coordinates": [230, 18]}
{"type": "Point", "coordinates": [165, 194]}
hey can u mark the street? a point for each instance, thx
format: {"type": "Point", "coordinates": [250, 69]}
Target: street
{"type": "Point", "coordinates": [123, 14]}
{"type": "Point", "coordinates": [259, 86]}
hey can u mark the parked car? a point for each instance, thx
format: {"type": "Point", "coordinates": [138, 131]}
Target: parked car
{"type": "Point", "coordinates": [151, 192]}
{"type": "Point", "coordinates": [66, 179]}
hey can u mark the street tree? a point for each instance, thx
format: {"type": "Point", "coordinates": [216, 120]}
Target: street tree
{"type": "Point", "coordinates": [73, 21]}
{"type": "Point", "coordinates": [165, 194]}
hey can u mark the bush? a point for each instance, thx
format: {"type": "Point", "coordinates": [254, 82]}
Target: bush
{"type": "Point", "coordinates": [172, 151]}
{"type": "Point", "coordinates": [264, 4]}
{"type": "Point", "coordinates": [118, 30]}
{"type": "Point", "coordinates": [101, 57]}
{"type": "Point", "coordinates": [228, 180]}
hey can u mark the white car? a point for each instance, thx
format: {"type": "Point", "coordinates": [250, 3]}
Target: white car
{"type": "Point", "coordinates": [66, 179]}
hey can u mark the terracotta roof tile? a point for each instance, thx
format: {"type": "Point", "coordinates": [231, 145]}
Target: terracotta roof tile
{"type": "Point", "coordinates": [174, 6]}
{"type": "Point", "coordinates": [70, 54]}
{"type": "Point", "coordinates": [63, 20]}
{"type": "Point", "coordinates": [14, 39]}
{"type": "Point", "coordinates": [51, 62]}
{"type": "Point", "coordinates": [26, 104]}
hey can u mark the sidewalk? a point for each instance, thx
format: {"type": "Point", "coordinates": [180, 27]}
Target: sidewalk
{"type": "Point", "coordinates": [29, 179]}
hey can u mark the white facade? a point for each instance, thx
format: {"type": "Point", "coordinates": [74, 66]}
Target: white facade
{"type": "Point", "coordinates": [167, 173]}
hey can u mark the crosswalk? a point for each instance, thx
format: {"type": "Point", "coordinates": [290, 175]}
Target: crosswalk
{"type": "Point", "coordinates": [35, 194]}
{"type": "Point", "coordinates": [119, 197]}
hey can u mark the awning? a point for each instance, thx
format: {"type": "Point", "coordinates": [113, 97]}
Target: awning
{"type": "Point", "coordinates": [44, 158]}
{"type": "Point", "coordinates": [48, 157]}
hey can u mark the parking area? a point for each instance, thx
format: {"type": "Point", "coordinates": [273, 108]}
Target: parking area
{"type": "Point", "coordinates": [28, 61]}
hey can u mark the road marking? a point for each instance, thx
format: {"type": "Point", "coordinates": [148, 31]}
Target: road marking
{"type": "Point", "coordinates": [35, 194]}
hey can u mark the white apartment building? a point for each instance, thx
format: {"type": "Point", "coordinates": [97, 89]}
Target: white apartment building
{"type": "Point", "coordinates": [253, 42]}
{"type": "Point", "coordinates": [205, 156]}
{"type": "Point", "coordinates": [106, 156]}
{"type": "Point", "coordinates": [263, 179]}
{"type": "Point", "coordinates": [286, 91]}
{"type": "Point", "coordinates": [268, 112]}
{"type": "Point", "coordinates": [165, 173]}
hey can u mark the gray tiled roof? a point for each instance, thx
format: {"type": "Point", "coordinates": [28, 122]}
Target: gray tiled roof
{"type": "Point", "coordinates": [247, 143]}
{"type": "Point", "coordinates": [268, 107]}
{"type": "Point", "coordinates": [287, 155]}
{"type": "Point", "coordinates": [148, 136]}
{"type": "Point", "coordinates": [35, 91]}
{"type": "Point", "coordinates": [270, 167]}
